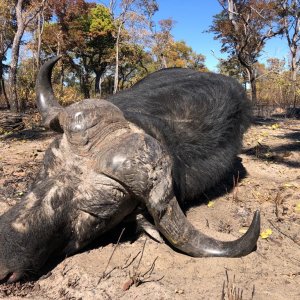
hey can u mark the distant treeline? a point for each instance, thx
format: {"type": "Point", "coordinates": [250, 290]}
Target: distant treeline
{"type": "Point", "coordinates": [108, 48]}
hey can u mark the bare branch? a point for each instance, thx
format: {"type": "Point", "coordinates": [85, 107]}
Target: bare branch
{"type": "Point", "coordinates": [104, 274]}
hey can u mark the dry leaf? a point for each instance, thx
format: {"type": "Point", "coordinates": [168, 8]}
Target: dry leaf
{"type": "Point", "coordinates": [266, 233]}
{"type": "Point", "coordinates": [243, 230]}
{"type": "Point", "coordinates": [210, 204]}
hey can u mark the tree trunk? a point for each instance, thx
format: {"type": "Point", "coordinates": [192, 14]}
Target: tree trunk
{"type": "Point", "coordinates": [40, 30]}
{"type": "Point", "coordinates": [164, 64]}
{"type": "Point", "coordinates": [22, 22]}
{"type": "Point", "coordinates": [15, 50]}
{"type": "Point", "coordinates": [85, 86]}
{"type": "Point", "coordinates": [2, 86]}
{"type": "Point", "coordinates": [253, 90]}
{"type": "Point", "coordinates": [12, 77]}
{"type": "Point", "coordinates": [99, 72]}
{"type": "Point", "coordinates": [97, 83]}
{"type": "Point", "coordinates": [294, 71]}
{"type": "Point", "coordinates": [294, 90]}
{"type": "Point", "coordinates": [252, 80]}
{"type": "Point", "coordinates": [4, 93]}
{"type": "Point", "coordinates": [62, 78]}
{"type": "Point", "coordinates": [116, 81]}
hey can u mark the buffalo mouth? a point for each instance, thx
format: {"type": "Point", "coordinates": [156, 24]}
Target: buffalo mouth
{"type": "Point", "coordinates": [11, 277]}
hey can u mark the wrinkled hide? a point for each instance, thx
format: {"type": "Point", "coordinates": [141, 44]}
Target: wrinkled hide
{"type": "Point", "coordinates": [162, 142]}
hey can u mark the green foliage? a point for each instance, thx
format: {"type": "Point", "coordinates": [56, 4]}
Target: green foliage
{"type": "Point", "coordinates": [171, 53]}
{"type": "Point", "coordinates": [232, 67]}
{"type": "Point", "coordinates": [101, 21]}
{"type": "Point", "coordinates": [84, 33]}
{"type": "Point", "coordinates": [135, 63]}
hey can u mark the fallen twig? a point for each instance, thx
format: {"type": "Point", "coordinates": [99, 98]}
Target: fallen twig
{"type": "Point", "coordinates": [235, 187]}
{"type": "Point", "coordinates": [278, 201]}
{"type": "Point", "coordinates": [137, 267]}
{"type": "Point", "coordinates": [231, 291]}
{"type": "Point", "coordinates": [127, 264]}
{"type": "Point", "coordinates": [150, 270]}
{"type": "Point", "coordinates": [153, 280]}
{"type": "Point", "coordinates": [104, 274]}
{"type": "Point", "coordinates": [284, 234]}
{"type": "Point", "coordinates": [137, 278]}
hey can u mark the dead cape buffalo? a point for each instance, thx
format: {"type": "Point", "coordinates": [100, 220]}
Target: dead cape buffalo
{"type": "Point", "coordinates": [147, 149]}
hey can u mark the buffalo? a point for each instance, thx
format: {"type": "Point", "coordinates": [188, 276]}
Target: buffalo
{"type": "Point", "coordinates": [144, 151]}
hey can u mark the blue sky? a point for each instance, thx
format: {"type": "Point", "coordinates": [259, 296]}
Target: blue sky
{"type": "Point", "coordinates": [193, 18]}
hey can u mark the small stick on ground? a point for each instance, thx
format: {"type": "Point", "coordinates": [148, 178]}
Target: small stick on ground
{"type": "Point", "coordinates": [253, 292]}
{"type": "Point", "coordinates": [150, 270]}
{"type": "Point", "coordinates": [278, 201]}
{"type": "Point", "coordinates": [137, 267]}
{"type": "Point", "coordinates": [153, 280]}
{"type": "Point", "coordinates": [104, 274]}
{"type": "Point", "coordinates": [137, 278]}
{"type": "Point", "coordinates": [127, 264]}
{"type": "Point", "coordinates": [284, 234]}
{"type": "Point", "coordinates": [231, 292]}
{"type": "Point", "coordinates": [235, 187]}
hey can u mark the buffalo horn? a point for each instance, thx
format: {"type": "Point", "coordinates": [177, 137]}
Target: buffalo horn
{"type": "Point", "coordinates": [46, 102]}
{"type": "Point", "coordinates": [174, 225]}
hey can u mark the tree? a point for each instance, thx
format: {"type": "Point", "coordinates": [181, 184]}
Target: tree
{"type": "Point", "coordinates": [170, 53]}
{"type": "Point", "coordinates": [232, 67]}
{"type": "Point", "coordinates": [25, 13]}
{"type": "Point", "coordinates": [7, 29]}
{"type": "Point", "coordinates": [274, 84]}
{"type": "Point", "coordinates": [39, 28]}
{"type": "Point", "coordinates": [83, 33]}
{"type": "Point", "coordinates": [243, 27]}
{"type": "Point", "coordinates": [179, 54]}
{"type": "Point", "coordinates": [101, 28]}
{"type": "Point", "coordinates": [162, 41]}
{"type": "Point", "coordinates": [139, 13]}
{"type": "Point", "coordinates": [289, 23]}
{"type": "Point", "coordinates": [134, 64]}
{"type": "Point", "coordinates": [65, 35]}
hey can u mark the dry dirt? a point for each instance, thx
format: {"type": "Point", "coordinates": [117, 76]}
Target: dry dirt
{"type": "Point", "coordinates": [267, 178]}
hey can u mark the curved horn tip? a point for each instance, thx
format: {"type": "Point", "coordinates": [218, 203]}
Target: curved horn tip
{"type": "Point", "coordinates": [55, 58]}
{"type": "Point", "coordinates": [255, 224]}
{"type": "Point", "coordinates": [183, 236]}
{"type": "Point", "coordinates": [257, 216]}
{"type": "Point", "coordinates": [246, 243]}
{"type": "Point", "coordinates": [49, 64]}
{"type": "Point", "coordinates": [45, 98]}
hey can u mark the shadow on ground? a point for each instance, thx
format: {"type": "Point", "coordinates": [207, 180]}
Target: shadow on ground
{"type": "Point", "coordinates": [38, 133]}
{"type": "Point", "coordinates": [279, 153]}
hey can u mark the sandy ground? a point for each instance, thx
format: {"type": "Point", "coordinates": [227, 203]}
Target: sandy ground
{"type": "Point", "coordinates": [266, 178]}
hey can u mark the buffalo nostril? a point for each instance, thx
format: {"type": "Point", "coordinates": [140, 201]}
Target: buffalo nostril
{"type": "Point", "coordinates": [15, 276]}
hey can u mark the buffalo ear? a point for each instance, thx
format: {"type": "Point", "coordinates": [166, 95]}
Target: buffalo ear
{"type": "Point", "coordinates": [46, 102]}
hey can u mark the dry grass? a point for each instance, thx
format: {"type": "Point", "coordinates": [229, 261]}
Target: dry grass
{"type": "Point", "coordinates": [231, 292]}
